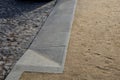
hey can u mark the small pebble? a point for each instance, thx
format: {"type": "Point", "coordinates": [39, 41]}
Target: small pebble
{"type": "Point", "coordinates": [1, 62]}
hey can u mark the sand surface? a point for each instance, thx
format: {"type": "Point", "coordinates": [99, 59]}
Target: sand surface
{"type": "Point", "coordinates": [94, 48]}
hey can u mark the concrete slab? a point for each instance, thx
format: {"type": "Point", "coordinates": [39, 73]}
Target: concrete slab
{"type": "Point", "coordinates": [50, 39]}
{"type": "Point", "coordinates": [47, 53]}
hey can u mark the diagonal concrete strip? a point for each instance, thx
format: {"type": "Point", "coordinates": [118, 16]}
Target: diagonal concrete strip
{"type": "Point", "coordinates": [47, 53]}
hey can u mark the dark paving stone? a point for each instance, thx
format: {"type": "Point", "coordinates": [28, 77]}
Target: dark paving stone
{"type": "Point", "coordinates": [10, 8]}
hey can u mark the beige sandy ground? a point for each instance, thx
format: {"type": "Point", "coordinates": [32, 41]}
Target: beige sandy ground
{"type": "Point", "coordinates": [94, 48]}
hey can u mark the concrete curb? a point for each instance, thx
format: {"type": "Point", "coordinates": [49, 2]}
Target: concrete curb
{"type": "Point", "coordinates": [48, 51]}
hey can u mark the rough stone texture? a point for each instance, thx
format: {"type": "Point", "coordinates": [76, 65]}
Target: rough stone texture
{"type": "Point", "coordinates": [19, 24]}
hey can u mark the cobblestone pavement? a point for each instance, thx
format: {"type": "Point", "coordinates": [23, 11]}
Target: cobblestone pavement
{"type": "Point", "coordinates": [19, 23]}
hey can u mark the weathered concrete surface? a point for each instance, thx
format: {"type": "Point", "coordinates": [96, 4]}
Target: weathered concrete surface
{"type": "Point", "coordinates": [47, 53]}
{"type": "Point", "coordinates": [94, 48]}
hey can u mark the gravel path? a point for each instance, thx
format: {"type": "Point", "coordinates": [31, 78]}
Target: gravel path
{"type": "Point", "coordinates": [19, 23]}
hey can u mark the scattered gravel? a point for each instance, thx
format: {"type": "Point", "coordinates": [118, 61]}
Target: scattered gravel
{"type": "Point", "coordinates": [19, 24]}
